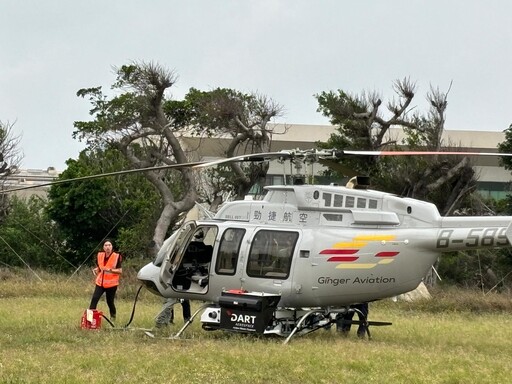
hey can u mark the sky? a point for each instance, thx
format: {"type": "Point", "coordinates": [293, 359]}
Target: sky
{"type": "Point", "coordinates": [288, 50]}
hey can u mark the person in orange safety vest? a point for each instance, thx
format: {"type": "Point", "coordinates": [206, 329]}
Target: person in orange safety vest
{"type": "Point", "coordinates": [107, 272]}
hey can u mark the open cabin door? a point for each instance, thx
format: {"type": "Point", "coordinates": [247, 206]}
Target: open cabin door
{"type": "Point", "coordinates": [186, 268]}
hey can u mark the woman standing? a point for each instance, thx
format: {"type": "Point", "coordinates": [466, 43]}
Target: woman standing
{"type": "Point", "coordinates": [107, 272]}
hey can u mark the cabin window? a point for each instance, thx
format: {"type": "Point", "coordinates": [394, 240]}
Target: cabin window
{"type": "Point", "coordinates": [361, 203]}
{"type": "Point", "coordinates": [372, 204]}
{"type": "Point", "coordinates": [338, 201]}
{"type": "Point", "coordinates": [271, 254]}
{"type": "Point", "coordinates": [349, 202]}
{"type": "Point", "coordinates": [229, 250]}
{"type": "Point", "coordinates": [333, 217]}
{"type": "Point", "coordinates": [274, 180]}
{"type": "Point", "coordinates": [327, 199]}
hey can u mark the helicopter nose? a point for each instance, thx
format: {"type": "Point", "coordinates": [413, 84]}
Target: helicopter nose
{"type": "Point", "coordinates": [148, 275]}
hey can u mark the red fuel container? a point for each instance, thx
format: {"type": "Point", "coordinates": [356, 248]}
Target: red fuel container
{"type": "Point", "coordinates": [91, 319]}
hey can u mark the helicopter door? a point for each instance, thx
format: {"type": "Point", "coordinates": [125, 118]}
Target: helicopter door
{"type": "Point", "coordinates": [269, 264]}
{"type": "Point", "coordinates": [176, 251]}
{"type": "Point", "coordinates": [228, 260]}
{"type": "Point", "coordinates": [190, 267]}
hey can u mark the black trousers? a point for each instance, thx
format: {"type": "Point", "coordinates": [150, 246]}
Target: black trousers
{"type": "Point", "coordinates": [110, 294]}
{"type": "Point", "coordinates": [344, 322]}
{"type": "Point", "coordinates": [185, 305]}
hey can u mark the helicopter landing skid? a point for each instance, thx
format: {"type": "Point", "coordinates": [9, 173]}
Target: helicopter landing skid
{"type": "Point", "coordinates": [321, 320]}
{"type": "Point", "coordinates": [189, 321]}
{"type": "Point", "coordinates": [185, 326]}
{"type": "Point", "coordinates": [302, 324]}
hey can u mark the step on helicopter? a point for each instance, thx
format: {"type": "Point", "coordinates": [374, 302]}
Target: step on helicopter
{"type": "Point", "coordinates": [293, 262]}
{"type": "Point", "coordinates": [296, 260]}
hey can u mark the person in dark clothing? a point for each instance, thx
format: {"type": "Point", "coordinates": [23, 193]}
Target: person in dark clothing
{"type": "Point", "coordinates": [344, 321]}
{"type": "Point", "coordinates": [166, 314]}
{"type": "Point", "coordinates": [107, 271]}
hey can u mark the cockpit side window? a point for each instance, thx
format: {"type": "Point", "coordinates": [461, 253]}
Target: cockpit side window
{"type": "Point", "coordinates": [229, 249]}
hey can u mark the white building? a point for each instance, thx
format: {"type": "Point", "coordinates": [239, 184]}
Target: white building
{"type": "Point", "coordinates": [37, 178]}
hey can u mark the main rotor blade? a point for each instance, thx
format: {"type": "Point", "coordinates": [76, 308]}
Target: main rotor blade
{"type": "Point", "coordinates": [420, 153]}
{"type": "Point", "coordinates": [91, 177]}
{"type": "Point", "coordinates": [324, 155]}
{"type": "Point", "coordinates": [253, 157]}
{"type": "Point", "coordinates": [195, 165]}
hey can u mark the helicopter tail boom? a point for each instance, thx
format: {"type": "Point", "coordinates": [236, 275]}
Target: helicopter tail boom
{"type": "Point", "coordinates": [465, 233]}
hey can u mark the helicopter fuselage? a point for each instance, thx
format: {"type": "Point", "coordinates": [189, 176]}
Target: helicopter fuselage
{"type": "Point", "coordinates": [315, 246]}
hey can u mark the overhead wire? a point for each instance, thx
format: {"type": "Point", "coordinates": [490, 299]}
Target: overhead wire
{"type": "Point", "coordinates": [23, 261]}
{"type": "Point", "coordinates": [42, 241]}
{"type": "Point", "coordinates": [7, 265]}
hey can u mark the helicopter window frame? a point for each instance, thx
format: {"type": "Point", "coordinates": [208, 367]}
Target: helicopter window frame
{"type": "Point", "coordinates": [271, 254]}
{"type": "Point", "coordinates": [229, 251]}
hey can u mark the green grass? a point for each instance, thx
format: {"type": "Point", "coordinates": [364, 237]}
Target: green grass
{"type": "Point", "coordinates": [450, 339]}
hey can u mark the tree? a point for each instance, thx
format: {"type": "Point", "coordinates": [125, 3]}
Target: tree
{"type": "Point", "coordinates": [146, 127]}
{"type": "Point", "coordinates": [506, 147]}
{"type": "Point", "coordinates": [123, 207]}
{"type": "Point", "coordinates": [445, 181]}
{"type": "Point", "coordinates": [10, 158]}
{"type": "Point", "coordinates": [29, 238]}
{"type": "Point", "coordinates": [363, 125]}
{"type": "Point", "coordinates": [245, 120]}
{"type": "Point", "coordinates": [135, 123]}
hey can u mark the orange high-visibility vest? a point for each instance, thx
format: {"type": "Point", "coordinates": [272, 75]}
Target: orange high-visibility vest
{"type": "Point", "coordinates": [107, 279]}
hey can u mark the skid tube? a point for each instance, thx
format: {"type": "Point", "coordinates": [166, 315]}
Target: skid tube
{"type": "Point", "coordinates": [186, 325]}
{"type": "Point", "coordinates": [365, 321]}
{"type": "Point", "coordinates": [300, 323]}
{"type": "Point", "coordinates": [189, 321]}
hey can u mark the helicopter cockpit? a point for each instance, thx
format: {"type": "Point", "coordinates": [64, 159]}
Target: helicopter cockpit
{"type": "Point", "coordinates": [190, 258]}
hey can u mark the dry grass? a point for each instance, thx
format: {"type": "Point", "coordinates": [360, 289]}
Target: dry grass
{"type": "Point", "coordinates": [446, 340]}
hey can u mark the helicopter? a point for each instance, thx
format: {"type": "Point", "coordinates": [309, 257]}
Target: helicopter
{"type": "Point", "coordinates": [293, 262]}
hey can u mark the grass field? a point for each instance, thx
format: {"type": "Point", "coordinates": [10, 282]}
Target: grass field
{"type": "Point", "coordinates": [458, 337]}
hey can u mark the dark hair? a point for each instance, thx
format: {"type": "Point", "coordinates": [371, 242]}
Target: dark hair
{"type": "Point", "coordinates": [108, 241]}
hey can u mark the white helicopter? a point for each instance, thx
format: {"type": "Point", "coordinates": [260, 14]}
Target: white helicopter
{"type": "Point", "coordinates": [293, 262]}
